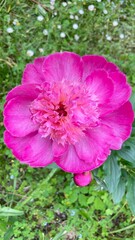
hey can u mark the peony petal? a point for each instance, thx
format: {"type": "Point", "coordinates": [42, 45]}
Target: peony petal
{"type": "Point", "coordinates": [32, 149]}
{"type": "Point", "coordinates": [92, 63]}
{"type": "Point", "coordinates": [17, 117]}
{"type": "Point", "coordinates": [70, 162]}
{"type": "Point", "coordinates": [64, 66]}
{"type": "Point", "coordinates": [122, 89]}
{"type": "Point", "coordinates": [33, 72]}
{"type": "Point", "coordinates": [82, 179]}
{"type": "Point", "coordinates": [92, 146]}
{"type": "Point", "coordinates": [29, 92]}
{"type": "Point", "coordinates": [58, 149]}
{"type": "Point", "coordinates": [95, 62]}
{"type": "Point", "coordinates": [120, 121]}
{"type": "Point", "coordinates": [100, 86]}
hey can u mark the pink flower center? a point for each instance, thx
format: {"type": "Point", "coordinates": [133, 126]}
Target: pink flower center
{"type": "Point", "coordinates": [64, 112]}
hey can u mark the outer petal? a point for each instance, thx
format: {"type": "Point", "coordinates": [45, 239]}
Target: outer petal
{"type": "Point", "coordinates": [64, 66]}
{"type": "Point", "coordinates": [29, 92]}
{"type": "Point", "coordinates": [94, 147]}
{"type": "Point", "coordinates": [70, 162]}
{"type": "Point", "coordinates": [120, 121]}
{"type": "Point", "coordinates": [100, 86]}
{"type": "Point", "coordinates": [122, 89]}
{"type": "Point", "coordinates": [93, 62]}
{"type": "Point", "coordinates": [33, 72]}
{"type": "Point", "coordinates": [32, 149]}
{"type": "Point", "coordinates": [17, 117]}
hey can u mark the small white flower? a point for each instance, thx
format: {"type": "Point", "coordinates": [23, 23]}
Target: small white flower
{"type": "Point", "coordinates": [91, 7]}
{"type": "Point", "coordinates": [64, 4]}
{"type": "Point", "coordinates": [76, 37]}
{"type": "Point", "coordinates": [122, 36]}
{"type": "Point", "coordinates": [55, 13]}
{"type": "Point", "coordinates": [12, 177]}
{"type": "Point", "coordinates": [108, 37]}
{"type": "Point", "coordinates": [71, 16]}
{"type": "Point", "coordinates": [75, 26]}
{"type": "Point", "coordinates": [62, 35]}
{"type": "Point", "coordinates": [59, 26]}
{"type": "Point", "coordinates": [98, 0]}
{"type": "Point", "coordinates": [52, 2]}
{"type": "Point", "coordinates": [115, 23]}
{"type": "Point", "coordinates": [16, 22]}
{"type": "Point", "coordinates": [40, 18]}
{"type": "Point", "coordinates": [80, 235]}
{"type": "Point", "coordinates": [41, 50]}
{"type": "Point", "coordinates": [72, 213]}
{"type": "Point", "coordinates": [52, 7]}
{"type": "Point", "coordinates": [10, 29]}
{"type": "Point", "coordinates": [105, 11]}
{"type": "Point", "coordinates": [45, 32]}
{"type": "Point", "coordinates": [30, 53]}
{"type": "Point", "coordinates": [81, 11]}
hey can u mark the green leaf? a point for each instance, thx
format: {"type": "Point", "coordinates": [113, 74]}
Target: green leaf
{"type": "Point", "coordinates": [6, 212]}
{"type": "Point", "coordinates": [82, 200]}
{"type": "Point", "coordinates": [41, 10]}
{"type": "Point", "coordinates": [98, 204]}
{"type": "Point", "coordinates": [112, 173]}
{"type": "Point", "coordinates": [132, 99]}
{"type": "Point", "coordinates": [131, 193]}
{"type": "Point", "coordinates": [8, 234]}
{"type": "Point", "coordinates": [128, 151]}
{"type": "Point", "coordinates": [52, 166]}
{"type": "Point", "coordinates": [3, 225]}
{"type": "Point", "coordinates": [118, 194]}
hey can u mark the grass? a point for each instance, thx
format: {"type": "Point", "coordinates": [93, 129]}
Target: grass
{"type": "Point", "coordinates": [51, 206]}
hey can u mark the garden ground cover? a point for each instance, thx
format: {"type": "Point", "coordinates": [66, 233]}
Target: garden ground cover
{"type": "Point", "coordinates": [45, 203]}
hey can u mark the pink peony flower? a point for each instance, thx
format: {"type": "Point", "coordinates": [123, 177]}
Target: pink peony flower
{"type": "Point", "coordinates": [70, 110]}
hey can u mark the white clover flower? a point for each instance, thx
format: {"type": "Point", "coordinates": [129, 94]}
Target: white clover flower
{"type": "Point", "coordinates": [30, 53]}
{"type": "Point", "coordinates": [52, 7]}
{"type": "Point", "coordinates": [81, 11]}
{"type": "Point", "coordinates": [16, 22]}
{"type": "Point", "coordinates": [122, 36]}
{"type": "Point", "coordinates": [108, 37]}
{"type": "Point", "coordinates": [10, 29]}
{"type": "Point", "coordinates": [62, 35]}
{"type": "Point", "coordinates": [71, 16]}
{"type": "Point", "coordinates": [40, 18]}
{"type": "Point", "coordinates": [76, 17]}
{"type": "Point", "coordinates": [55, 13]}
{"type": "Point", "coordinates": [115, 23]}
{"type": "Point", "coordinates": [91, 7]}
{"type": "Point", "coordinates": [59, 26]}
{"type": "Point", "coordinates": [75, 26]}
{"type": "Point", "coordinates": [105, 11]}
{"type": "Point", "coordinates": [64, 4]}
{"type": "Point", "coordinates": [41, 50]}
{"type": "Point", "coordinates": [45, 32]}
{"type": "Point", "coordinates": [76, 37]}
{"type": "Point", "coordinates": [52, 2]}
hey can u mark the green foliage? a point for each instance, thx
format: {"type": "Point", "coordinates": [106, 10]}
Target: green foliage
{"type": "Point", "coordinates": [43, 204]}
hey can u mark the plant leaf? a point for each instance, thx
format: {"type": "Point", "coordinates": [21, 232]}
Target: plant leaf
{"type": "Point", "coordinates": [6, 212]}
{"type": "Point", "coordinates": [131, 193]}
{"type": "Point", "coordinates": [128, 151]}
{"type": "Point", "coordinates": [118, 194]}
{"type": "Point", "coordinates": [112, 173]}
